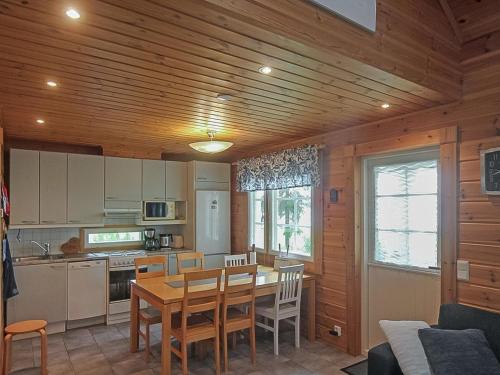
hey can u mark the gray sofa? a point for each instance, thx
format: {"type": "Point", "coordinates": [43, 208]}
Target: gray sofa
{"type": "Point", "coordinates": [381, 360]}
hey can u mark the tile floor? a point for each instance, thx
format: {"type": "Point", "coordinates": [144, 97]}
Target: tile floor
{"type": "Point", "coordinates": [103, 350]}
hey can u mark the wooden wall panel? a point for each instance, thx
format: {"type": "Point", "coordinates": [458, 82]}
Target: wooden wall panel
{"type": "Point", "coordinates": [479, 223]}
{"type": "Point", "coordinates": [335, 281]}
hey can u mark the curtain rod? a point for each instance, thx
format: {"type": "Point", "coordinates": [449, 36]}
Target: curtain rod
{"type": "Point", "coordinates": [320, 147]}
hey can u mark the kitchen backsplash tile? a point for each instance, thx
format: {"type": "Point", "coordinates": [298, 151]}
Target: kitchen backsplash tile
{"type": "Point", "coordinates": [58, 236]}
{"type": "Point", "coordinates": [20, 239]}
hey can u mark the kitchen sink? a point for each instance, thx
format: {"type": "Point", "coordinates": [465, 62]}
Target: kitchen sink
{"type": "Point", "coordinates": [37, 257]}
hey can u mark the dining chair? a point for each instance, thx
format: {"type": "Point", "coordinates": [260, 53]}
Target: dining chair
{"type": "Point", "coordinates": [192, 325]}
{"type": "Point", "coordinates": [286, 303]}
{"type": "Point", "coordinates": [196, 257]}
{"type": "Point", "coordinates": [239, 291]}
{"type": "Point", "coordinates": [149, 315]}
{"type": "Point", "coordinates": [235, 260]}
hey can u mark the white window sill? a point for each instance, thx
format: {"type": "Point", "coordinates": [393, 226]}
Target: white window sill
{"type": "Point", "coordinates": [409, 269]}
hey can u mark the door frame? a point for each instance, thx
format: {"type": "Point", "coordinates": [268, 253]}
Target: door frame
{"type": "Point", "coordinates": [447, 140]}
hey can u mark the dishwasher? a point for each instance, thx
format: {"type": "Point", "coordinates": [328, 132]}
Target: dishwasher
{"type": "Point", "coordinates": [86, 289]}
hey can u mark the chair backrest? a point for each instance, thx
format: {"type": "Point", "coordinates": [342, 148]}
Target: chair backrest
{"type": "Point", "coordinates": [289, 288]}
{"type": "Point", "coordinates": [235, 260]}
{"type": "Point", "coordinates": [198, 258]}
{"type": "Point", "coordinates": [149, 261]}
{"type": "Point", "coordinates": [202, 299]}
{"type": "Point", "coordinates": [239, 291]}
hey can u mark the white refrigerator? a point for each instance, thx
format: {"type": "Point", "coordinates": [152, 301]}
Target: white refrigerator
{"type": "Point", "coordinates": [213, 226]}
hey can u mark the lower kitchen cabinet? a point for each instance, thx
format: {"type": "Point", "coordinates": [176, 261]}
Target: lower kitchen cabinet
{"type": "Point", "coordinates": [86, 289]}
{"type": "Point", "coordinates": [42, 293]}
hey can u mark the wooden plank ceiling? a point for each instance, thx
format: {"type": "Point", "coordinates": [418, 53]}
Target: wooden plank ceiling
{"type": "Point", "coordinates": [141, 78]}
{"type": "Point", "coordinates": [476, 18]}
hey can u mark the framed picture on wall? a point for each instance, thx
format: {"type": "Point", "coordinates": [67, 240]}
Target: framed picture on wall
{"type": "Point", "coordinates": [490, 171]}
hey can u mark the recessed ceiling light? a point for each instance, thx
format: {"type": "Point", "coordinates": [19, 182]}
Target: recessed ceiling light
{"type": "Point", "coordinates": [40, 121]}
{"type": "Point", "coordinates": [265, 69]}
{"type": "Point", "coordinates": [52, 83]}
{"type": "Point", "coordinates": [385, 105]}
{"type": "Point", "coordinates": [224, 97]}
{"type": "Point", "coordinates": [72, 13]}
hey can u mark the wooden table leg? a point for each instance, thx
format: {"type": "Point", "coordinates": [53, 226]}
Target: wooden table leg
{"type": "Point", "coordinates": [311, 312]}
{"type": "Point", "coordinates": [134, 320]}
{"type": "Point", "coordinates": [166, 321]}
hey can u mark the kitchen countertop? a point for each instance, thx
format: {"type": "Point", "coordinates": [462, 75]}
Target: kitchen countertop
{"type": "Point", "coordinates": [81, 257]}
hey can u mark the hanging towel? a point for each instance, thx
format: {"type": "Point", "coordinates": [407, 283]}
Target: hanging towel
{"type": "Point", "coordinates": [9, 280]}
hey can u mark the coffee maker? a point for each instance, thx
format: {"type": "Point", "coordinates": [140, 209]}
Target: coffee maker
{"type": "Point", "coordinates": [150, 242]}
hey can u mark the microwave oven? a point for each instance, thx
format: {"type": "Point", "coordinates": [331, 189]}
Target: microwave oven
{"type": "Point", "coordinates": [155, 210]}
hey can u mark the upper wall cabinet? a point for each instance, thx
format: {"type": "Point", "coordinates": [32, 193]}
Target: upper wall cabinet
{"type": "Point", "coordinates": [123, 182]}
{"type": "Point", "coordinates": [24, 187]}
{"type": "Point", "coordinates": [211, 176]}
{"type": "Point", "coordinates": [176, 180]}
{"type": "Point", "coordinates": [85, 189]}
{"type": "Point", "coordinates": [153, 180]}
{"type": "Point", "coordinates": [53, 187]}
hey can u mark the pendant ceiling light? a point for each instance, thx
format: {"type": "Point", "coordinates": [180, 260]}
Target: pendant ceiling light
{"type": "Point", "coordinates": [211, 146]}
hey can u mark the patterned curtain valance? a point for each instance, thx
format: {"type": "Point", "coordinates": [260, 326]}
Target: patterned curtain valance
{"type": "Point", "coordinates": [279, 170]}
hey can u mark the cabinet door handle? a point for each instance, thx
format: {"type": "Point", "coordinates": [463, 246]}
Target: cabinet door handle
{"type": "Point", "coordinates": [111, 198]}
{"type": "Point", "coordinates": [28, 222]}
{"type": "Point", "coordinates": [48, 221]}
{"type": "Point", "coordinates": [58, 266]}
{"type": "Point", "coordinates": [201, 178]}
{"type": "Point", "coordinates": [74, 221]}
{"type": "Point", "coordinates": [158, 198]}
{"type": "Point", "coordinates": [171, 198]}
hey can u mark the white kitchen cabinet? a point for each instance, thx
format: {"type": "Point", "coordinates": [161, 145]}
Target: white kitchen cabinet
{"type": "Point", "coordinates": [213, 172]}
{"type": "Point", "coordinates": [42, 293]}
{"type": "Point", "coordinates": [122, 182]}
{"type": "Point", "coordinates": [176, 180]}
{"type": "Point", "coordinates": [86, 289]}
{"type": "Point", "coordinates": [24, 187]}
{"type": "Point", "coordinates": [153, 180]}
{"type": "Point", "coordinates": [211, 176]}
{"type": "Point", "coordinates": [53, 187]}
{"type": "Point", "coordinates": [85, 189]}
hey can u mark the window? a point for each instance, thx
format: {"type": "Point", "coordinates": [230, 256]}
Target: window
{"type": "Point", "coordinates": [288, 214]}
{"type": "Point", "coordinates": [112, 237]}
{"type": "Point", "coordinates": [257, 219]}
{"type": "Point", "coordinates": [402, 210]}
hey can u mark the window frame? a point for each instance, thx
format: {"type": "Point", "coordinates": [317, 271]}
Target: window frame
{"type": "Point", "coordinates": [268, 230]}
{"type": "Point", "coordinates": [123, 244]}
{"type": "Point", "coordinates": [398, 158]}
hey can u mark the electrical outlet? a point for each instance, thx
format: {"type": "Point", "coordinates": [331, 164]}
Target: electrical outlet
{"type": "Point", "coordinates": [463, 270]}
{"type": "Point", "coordinates": [337, 330]}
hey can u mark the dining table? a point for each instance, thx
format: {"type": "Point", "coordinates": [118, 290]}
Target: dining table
{"type": "Point", "coordinates": [165, 293]}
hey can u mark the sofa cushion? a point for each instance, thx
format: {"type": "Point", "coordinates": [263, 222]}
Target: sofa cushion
{"type": "Point", "coordinates": [403, 337]}
{"type": "Point", "coordinates": [381, 361]}
{"type": "Point", "coordinates": [456, 316]}
{"type": "Point", "coordinates": [452, 352]}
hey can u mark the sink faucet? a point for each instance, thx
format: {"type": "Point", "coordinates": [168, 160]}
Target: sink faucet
{"type": "Point", "coordinates": [45, 248]}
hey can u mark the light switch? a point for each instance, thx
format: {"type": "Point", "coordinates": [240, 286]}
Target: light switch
{"type": "Point", "coordinates": [463, 270]}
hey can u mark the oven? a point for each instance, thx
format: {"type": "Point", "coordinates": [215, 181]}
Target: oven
{"type": "Point", "coordinates": [121, 272]}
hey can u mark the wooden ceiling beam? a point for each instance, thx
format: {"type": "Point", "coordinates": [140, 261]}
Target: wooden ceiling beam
{"type": "Point", "coordinates": [452, 20]}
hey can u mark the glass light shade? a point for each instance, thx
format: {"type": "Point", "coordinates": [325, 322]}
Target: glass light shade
{"type": "Point", "coordinates": [211, 147]}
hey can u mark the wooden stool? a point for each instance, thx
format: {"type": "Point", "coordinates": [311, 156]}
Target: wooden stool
{"type": "Point", "coordinates": [18, 328]}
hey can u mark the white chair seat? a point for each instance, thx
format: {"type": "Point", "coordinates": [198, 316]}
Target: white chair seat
{"type": "Point", "coordinates": [267, 310]}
